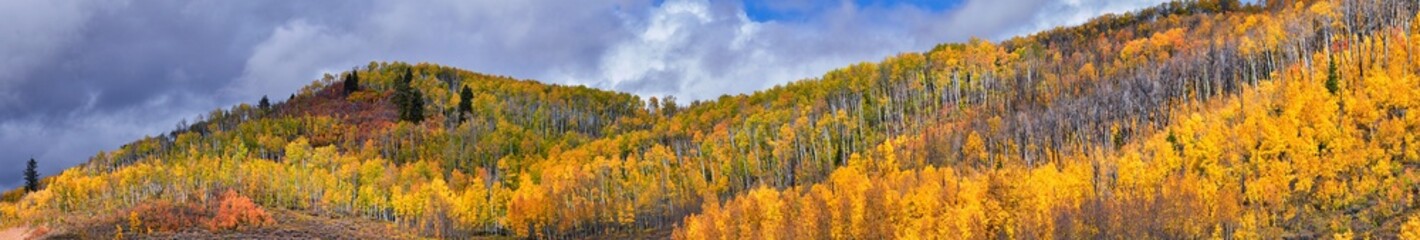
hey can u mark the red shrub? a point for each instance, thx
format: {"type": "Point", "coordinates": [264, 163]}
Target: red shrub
{"type": "Point", "coordinates": [235, 211]}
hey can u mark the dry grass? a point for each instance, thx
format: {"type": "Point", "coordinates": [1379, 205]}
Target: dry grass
{"type": "Point", "coordinates": [286, 225]}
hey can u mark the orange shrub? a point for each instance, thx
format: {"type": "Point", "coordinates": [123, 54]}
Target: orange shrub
{"type": "Point", "coordinates": [237, 211]}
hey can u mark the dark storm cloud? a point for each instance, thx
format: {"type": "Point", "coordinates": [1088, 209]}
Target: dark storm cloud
{"type": "Point", "coordinates": [78, 77]}
{"type": "Point", "coordinates": [103, 73]}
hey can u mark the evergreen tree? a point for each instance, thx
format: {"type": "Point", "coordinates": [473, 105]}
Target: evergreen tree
{"type": "Point", "coordinates": [264, 104]}
{"type": "Point", "coordinates": [409, 100]}
{"type": "Point", "coordinates": [465, 102]}
{"type": "Point", "coordinates": [416, 106]}
{"type": "Point", "coordinates": [352, 82]}
{"type": "Point", "coordinates": [31, 176]}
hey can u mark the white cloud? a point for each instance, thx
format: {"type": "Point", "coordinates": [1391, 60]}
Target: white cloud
{"type": "Point", "coordinates": [1075, 12]}
{"type": "Point", "coordinates": [699, 50]}
{"type": "Point", "coordinates": [294, 55]}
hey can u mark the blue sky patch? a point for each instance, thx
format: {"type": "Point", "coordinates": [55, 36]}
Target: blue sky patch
{"type": "Point", "coordinates": [799, 10]}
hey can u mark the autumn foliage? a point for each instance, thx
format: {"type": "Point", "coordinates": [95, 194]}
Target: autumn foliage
{"type": "Point", "coordinates": [1191, 119]}
{"type": "Point", "coordinates": [236, 211]}
{"type": "Point", "coordinates": [1318, 150]}
{"type": "Point", "coordinates": [167, 216]}
{"type": "Point", "coordinates": [229, 211]}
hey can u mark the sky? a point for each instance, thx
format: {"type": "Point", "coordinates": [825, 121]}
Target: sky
{"type": "Point", "coordinates": [79, 77]}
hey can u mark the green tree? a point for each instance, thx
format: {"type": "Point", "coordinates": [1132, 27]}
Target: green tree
{"type": "Point", "coordinates": [465, 102]}
{"type": "Point", "coordinates": [352, 82]}
{"type": "Point", "coordinates": [409, 100]}
{"type": "Point", "coordinates": [264, 104]}
{"type": "Point", "coordinates": [31, 176]}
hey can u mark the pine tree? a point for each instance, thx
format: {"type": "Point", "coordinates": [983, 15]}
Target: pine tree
{"type": "Point", "coordinates": [409, 100]}
{"type": "Point", "coordinates": [416, 107]}
{"type": "Point", "coordinates": [352, 82]}
{"type": "Point", "coordinates": [465, 103]}
{"type": "Point", "coordinates": [264, 104]}
{"type": "Point", "coordinates": [31, 176]}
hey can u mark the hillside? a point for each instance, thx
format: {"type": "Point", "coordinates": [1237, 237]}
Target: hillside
{"type": "Point", "coordinates": [1287, 119]}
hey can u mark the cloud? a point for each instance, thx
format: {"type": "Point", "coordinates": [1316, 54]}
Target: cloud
{"type": "Point", "coordinates": [528, 39]}
{"type": "Point", "coordinates": [994, 19]}
{"type": "Point", "coordinates": [697, 49]}
{"type": "Point", "coordinates": [59, 143]}
{"type": "Point", "coordinates": [33, 34]}
{"type": "Point", "coordinates": [87, 76]}
{"type": "Point", "coordinates": [1074, 12]}
{"type": "Point", "coordinates": [290, 59]}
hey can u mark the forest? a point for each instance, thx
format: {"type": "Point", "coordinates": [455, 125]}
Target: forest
{"type": "Point", "coordinates": [1190, 119]}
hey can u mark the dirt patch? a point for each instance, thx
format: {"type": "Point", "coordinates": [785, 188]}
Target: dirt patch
{"type": "Point", "coordinates": [15, 233]}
